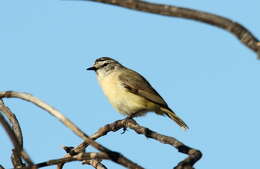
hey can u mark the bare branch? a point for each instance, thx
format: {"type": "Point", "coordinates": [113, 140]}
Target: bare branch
{"type": "Point", "coordinates": [114, 156]}
{"type": "Point", "coordinates": [79, 157]}
{"type": "Point", "coordinates": [238, 30]}
{"type": "Point", "coordinates": [16, 158]}
{"type": "Point", "coordinates": [14, 140]}
{"type": "Point", "coordinates": [75, 154]}
{"type": "Point", "coordinates": [193, 154]}
{"type": "Point", "coordinates": [95, 163]}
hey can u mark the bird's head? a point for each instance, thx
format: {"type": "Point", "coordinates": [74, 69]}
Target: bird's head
{"type": "Point", "coordinates": [104, 64]}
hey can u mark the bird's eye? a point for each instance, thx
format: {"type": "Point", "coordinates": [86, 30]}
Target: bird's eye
{"type": "Point", "coordinates": [105, 64]}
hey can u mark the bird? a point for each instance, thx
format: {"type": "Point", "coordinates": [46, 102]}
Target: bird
{"type": "Point", "coordinates": [129, 92]}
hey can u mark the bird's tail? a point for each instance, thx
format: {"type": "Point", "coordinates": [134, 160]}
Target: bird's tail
{"type": "Point", "coordinates": [174, 117]}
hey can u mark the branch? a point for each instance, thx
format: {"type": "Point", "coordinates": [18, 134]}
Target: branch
{"type": "Point", "coordinates": [14, 140]}
{"type": "Point", "coordinates": [16, 157]}
{"type": "Point", "coordinates": [193, 154]}
{"type": "Point", "coordinates": [114, 156]}
{"type": "Point", "coordinates": [13, 120]}
{"type": "Point", "coordinates": [93, 162]}
{"type": "Point", "coordinates": [238, 30]}
{"type": "Point", "coordinates": [79, 157]}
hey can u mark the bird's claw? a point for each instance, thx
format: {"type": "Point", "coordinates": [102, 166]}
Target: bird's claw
{"type": "Point", "coordinates": [124, 130]}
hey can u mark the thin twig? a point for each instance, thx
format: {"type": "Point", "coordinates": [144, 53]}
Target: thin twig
{"type": "Point", "coordinates": [238, 30]}
{"type": "Point", "coordinates": [114, 156]}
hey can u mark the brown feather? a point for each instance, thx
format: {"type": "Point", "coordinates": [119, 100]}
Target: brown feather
{"type": "Point", "coordinates": [137, 84]}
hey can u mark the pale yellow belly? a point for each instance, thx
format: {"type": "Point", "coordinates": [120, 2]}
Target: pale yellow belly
{"type": "Point", "coordinates": [122, 100]}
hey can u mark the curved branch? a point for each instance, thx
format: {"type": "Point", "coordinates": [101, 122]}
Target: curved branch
{"type": "Point", "coordinates": [238, 30]}
{"type": "Point", "coordinates": [14, 140]}
{"type": "Point", "coordinates": [114, 156]}
{"type": "Point", "coordinates": [13, 120]}
{"type": "Point", "coordinates": [16, 157]}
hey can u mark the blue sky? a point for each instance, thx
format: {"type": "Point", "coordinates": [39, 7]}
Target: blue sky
{"type": "Point", "coordinates": [204, 73]}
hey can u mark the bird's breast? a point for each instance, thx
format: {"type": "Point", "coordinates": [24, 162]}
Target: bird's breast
{"type": "Point", "coordinates": [121, 99]}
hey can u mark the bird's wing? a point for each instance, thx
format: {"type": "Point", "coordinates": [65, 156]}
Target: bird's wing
{"type": "Point", "coordinates": [137, 84]}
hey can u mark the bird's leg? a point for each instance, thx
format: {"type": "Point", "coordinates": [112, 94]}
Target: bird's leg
{"type": "Point", "coordinates": [131, 117]}
{"type": "Point", "coordinates": [124, 130]}
{"type": "Point", "coordinates": [125, 121]}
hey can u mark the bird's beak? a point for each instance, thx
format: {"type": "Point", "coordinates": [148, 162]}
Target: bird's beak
{"type": "Point", "coordinates": [92, 68]}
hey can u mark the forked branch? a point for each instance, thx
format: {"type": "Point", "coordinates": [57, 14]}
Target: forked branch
{"type": "Point", "coordinates": [193, 154]}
